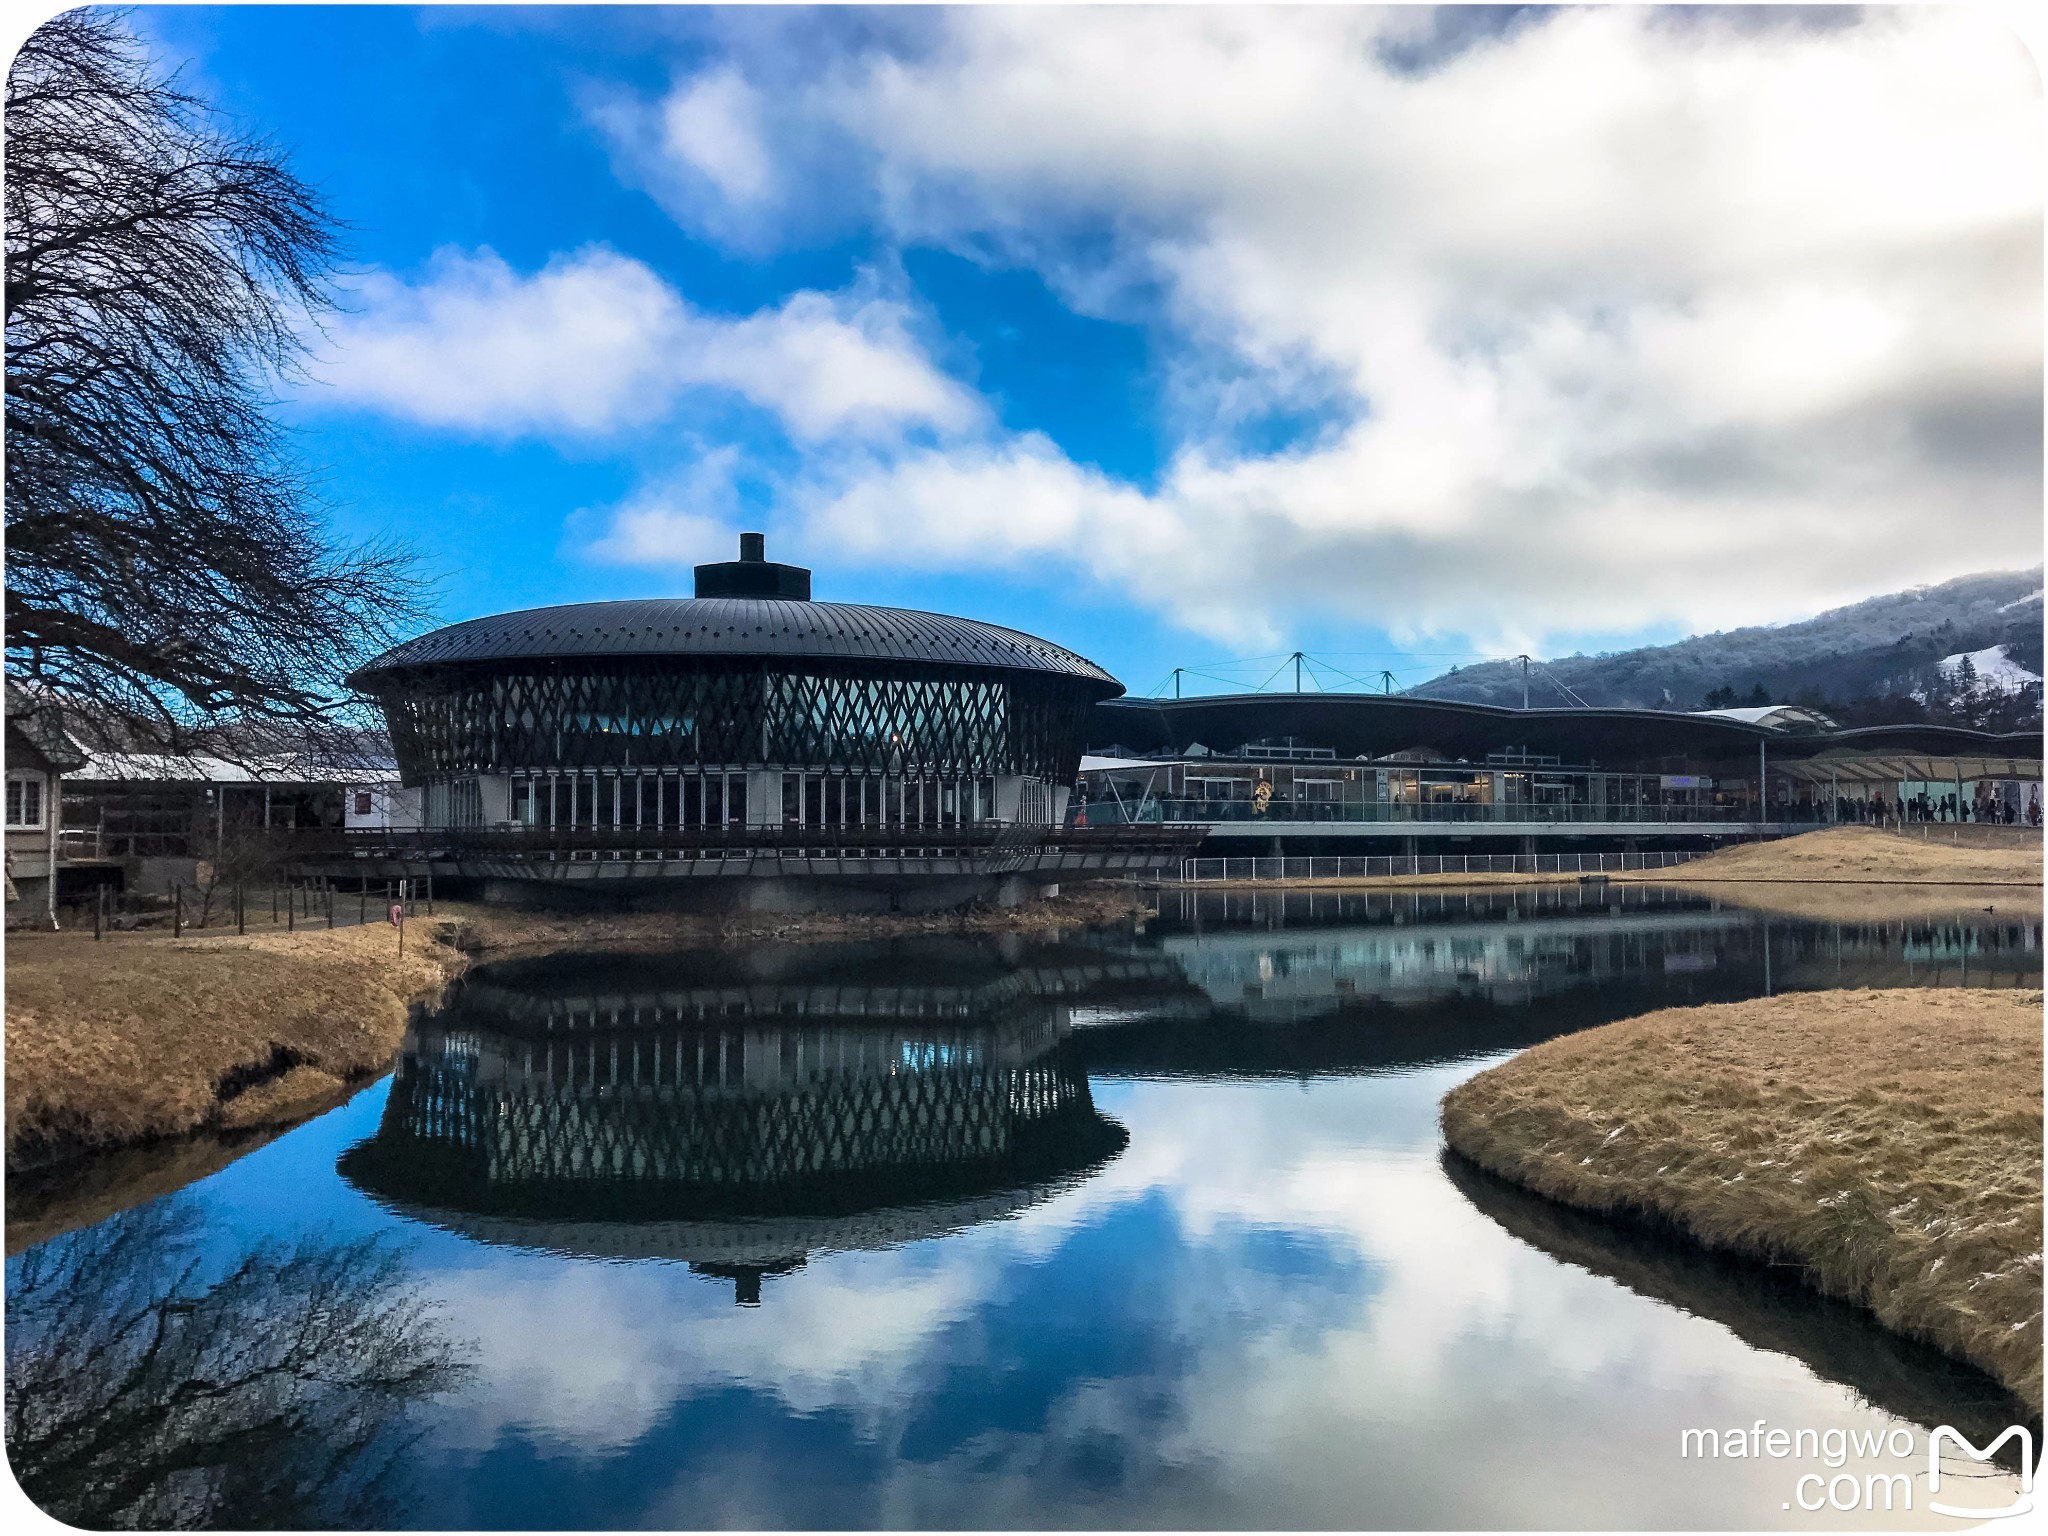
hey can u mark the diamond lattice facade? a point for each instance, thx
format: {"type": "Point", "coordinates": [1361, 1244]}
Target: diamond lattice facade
{"type": "Point", "coordinates": [754, 708]}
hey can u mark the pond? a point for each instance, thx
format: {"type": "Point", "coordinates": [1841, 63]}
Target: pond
{"type": "Point", "coordinates": [1149, 1227]}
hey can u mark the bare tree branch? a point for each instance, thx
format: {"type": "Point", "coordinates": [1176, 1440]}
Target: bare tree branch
{"type": "Point", "coordinates": [167, 562]}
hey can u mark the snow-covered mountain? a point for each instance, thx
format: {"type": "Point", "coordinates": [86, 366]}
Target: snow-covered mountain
{"type": "Point", "coordinates": [1992, 670]}
{"type": "Point", "coordinates": [1902, 648]}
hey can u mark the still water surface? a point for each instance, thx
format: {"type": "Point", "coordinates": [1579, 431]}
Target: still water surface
{"type": "Point", "coordinates": [1138, 1228]}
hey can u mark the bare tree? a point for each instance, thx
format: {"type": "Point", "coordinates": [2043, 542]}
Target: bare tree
{"type": "Point", "coordinates": [167, 564]}
{"type": "Point", "coordinates": [245, 854]}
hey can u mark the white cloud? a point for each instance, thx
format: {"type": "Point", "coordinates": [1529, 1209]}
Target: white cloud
{"type": "Point", "coordinates": [1645, 318]}
{"type": "Point", "coordinates": [584, 345]}
{"type": "Point", "coordinates": [688, 518]}
{"type": "Point", "coordinates": [713, 124]}
{"type": "Point", "coordinates": [830, 365]}
{"type": "Point", "coordinates": [595, 342]}
{"type": "Point", "coordinates": [626, 1341]}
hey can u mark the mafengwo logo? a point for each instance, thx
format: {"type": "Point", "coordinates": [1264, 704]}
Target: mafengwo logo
{"type": "Point", "coordinates": [2023, 1501]}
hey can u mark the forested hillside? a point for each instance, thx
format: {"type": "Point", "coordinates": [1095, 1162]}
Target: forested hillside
{"type": "Point", "coordinates": [1872, 662]}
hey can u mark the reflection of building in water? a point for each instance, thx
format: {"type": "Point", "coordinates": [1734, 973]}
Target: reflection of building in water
{"type": "Point", "coordinates": [1271, 976]}
{"type": "Point", "coordinates": [740, 1113]}
{"type": "Point", "coordinates": [1279, 958]}
{"type": "Point", "coordinates": [1990, 952]}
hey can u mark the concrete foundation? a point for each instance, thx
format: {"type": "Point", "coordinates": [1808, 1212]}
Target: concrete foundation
{"type": "Point", "coordinates": [851, 894]}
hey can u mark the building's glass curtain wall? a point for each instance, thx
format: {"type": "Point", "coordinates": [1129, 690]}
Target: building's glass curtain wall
{"type": "Point", "coordinates": [747, 706]}
{"type": "Point", "coordinates": [657, 799]}
{"type": "Point", "coordinates": [1306, 785]}
{"type": "Point", "coordinates": [479, 720]}
{"type": "Point", "coordinates": [731, 744]}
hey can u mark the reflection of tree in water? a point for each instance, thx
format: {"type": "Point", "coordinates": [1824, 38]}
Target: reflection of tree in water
{"type": "Point", "coordinates": [141, 1393]}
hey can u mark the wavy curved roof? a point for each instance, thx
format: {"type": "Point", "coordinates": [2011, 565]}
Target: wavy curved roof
{"type": "Point", "coordinates": [1366, 724]}
{"type": "Point", "coordinates": [736, 626]}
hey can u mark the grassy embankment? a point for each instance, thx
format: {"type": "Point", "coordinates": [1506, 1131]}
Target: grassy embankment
{"type": "Point", "coordinates": [1850, 874]}
{"type": "Point", "coordinates": [1886, 1143]}
{"type": "Point", "coordinates": [1840, 874]}
{"type": "Point", "coordinates": [1858, 856]}
{"type": "Point", "coordinates": [144, 1037]}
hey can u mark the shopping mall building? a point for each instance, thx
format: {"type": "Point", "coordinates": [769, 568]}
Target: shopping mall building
{"type": "Point", "coordinates": [1315, 773]}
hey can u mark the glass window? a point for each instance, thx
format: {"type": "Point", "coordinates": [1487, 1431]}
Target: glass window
{"type": "Point", "coordinates": [25, 802]}
{"type": "Point", "coordinates": [736, 798]}
{"type": "Point", "coordinates": [586, 800]}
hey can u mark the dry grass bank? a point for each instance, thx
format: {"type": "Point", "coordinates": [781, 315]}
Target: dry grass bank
{"type": "Point", "coordinates": [49, 1201]}
{"type": "Point", "coordinates": [143, 1037]}
{"type": "Point", "coordinates": [1888, 1143]}
{"type": "Point", "coordinates": [1859, 856]}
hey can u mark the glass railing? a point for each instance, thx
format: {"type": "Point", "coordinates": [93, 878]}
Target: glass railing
{"type": "Point", "coordinates": [1106, 813]}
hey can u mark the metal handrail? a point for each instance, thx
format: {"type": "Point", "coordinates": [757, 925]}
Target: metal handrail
{"type": "Point", "coordinates": [1212, 812]}
{"type": "Point", "coordinates": [973, 838]}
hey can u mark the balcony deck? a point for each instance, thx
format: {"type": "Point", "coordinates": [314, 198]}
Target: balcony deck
{"type": "Point", "coordinates": [1370, 824]}
{"type": "Point", "coordinates": [588, 855]}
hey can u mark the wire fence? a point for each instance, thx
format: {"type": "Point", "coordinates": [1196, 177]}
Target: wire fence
{"type": "Point", "coordinates": [266, 907]}
{"type": "Point", "coordinates": [1382, 866]}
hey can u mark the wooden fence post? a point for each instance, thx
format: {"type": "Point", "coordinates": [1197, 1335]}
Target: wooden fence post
{"type": "Point", "coordinates": [177, 911]}
{"type": "Point", "coordinates": [241, 926]}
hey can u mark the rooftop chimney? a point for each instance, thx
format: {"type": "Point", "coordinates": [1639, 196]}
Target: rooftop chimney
{"type": "Point", "coordinates": [754, 575]}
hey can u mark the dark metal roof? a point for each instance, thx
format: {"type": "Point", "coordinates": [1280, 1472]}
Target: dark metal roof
{"type": "Point", "coordinates": [736, 626]}
{"type": "Point", "coordinates": [1374, 724]}
{"type": "Point", "coordinates": [41, 728]}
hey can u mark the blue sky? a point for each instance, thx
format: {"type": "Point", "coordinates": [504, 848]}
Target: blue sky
{"type": "Point", "coordinates": [1174, 336]}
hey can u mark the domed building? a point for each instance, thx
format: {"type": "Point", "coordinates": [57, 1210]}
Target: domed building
{"type": "Point", "coordinates": [747, 723]}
